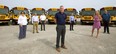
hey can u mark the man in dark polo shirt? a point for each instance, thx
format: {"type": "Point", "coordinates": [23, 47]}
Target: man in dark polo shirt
{"type": "Point", "coordinates": [60, 19]}
{"type": "Point", "coordinates": [106, 19]}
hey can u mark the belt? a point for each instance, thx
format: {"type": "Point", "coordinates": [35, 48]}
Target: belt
{"type": "Point", "coordinates": [35, 21]}
{"type": "Point", "coordinates": [60, 24]}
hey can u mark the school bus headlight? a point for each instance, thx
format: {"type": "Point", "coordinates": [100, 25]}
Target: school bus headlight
{"type": "Point", "coordinates": [82, 18]}
{"type": "Point", "coordinates": [114, 18]}
{"type": "Point", "coordinates": [50, 18]}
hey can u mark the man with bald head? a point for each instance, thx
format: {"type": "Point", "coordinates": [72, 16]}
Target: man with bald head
{"type": "Point", "coordinates": [60, 19]}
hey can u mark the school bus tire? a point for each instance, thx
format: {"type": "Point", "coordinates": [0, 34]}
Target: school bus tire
{"type": "Point", "coordinates": [82, 23]}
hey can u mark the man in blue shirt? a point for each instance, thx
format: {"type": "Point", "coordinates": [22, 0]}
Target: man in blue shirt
{"type": "Point", "coordinates": [72, 21]}
{"type": "Point", "coordinates": [106, 19]}
{"type": "Point", "coordinates": [60, 19]}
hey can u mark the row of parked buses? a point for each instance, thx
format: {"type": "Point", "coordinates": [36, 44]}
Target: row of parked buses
{"type": "Point", "coordinates": [85, 15]}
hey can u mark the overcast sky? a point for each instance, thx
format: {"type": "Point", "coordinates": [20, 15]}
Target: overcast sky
{"type": "Point", "coordinates": [78, 4]}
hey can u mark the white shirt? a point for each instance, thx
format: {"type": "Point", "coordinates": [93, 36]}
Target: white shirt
{"type": "Point", "coordinates": [35, 18]}
{"type": "Point", "coordinates": [72, 18]}
{"type": "Point", "coordinates": [22, 20]}
{"type": "Point", "coordinates": [42, 17]}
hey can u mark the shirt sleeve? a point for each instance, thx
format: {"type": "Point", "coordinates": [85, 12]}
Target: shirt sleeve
{"type": "Point", "coordinates": [19, 20]}
{"type": "Point", "coordinates": [26, 19]}
{"type": "Point", "coordinates": [109, 15]}
{"type": "Point", "coordinates": [45, 17]}
{"type": "Point", "coordinates": [70, 18]}
{"type": "Point", "coordinates": [32, 19]}
{"type": "Point", "coordinates": [56, 16]}
{"type": "Point", "coordinates": [74, 18]}
{"type": "Point", "coordinates": [65, 16]}
{"type": "Point", "coordinates": [38, 19]}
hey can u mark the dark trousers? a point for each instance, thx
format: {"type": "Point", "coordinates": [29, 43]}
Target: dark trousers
{"type": "Point", "coordinates": [71, 25]}
{"type": "Point", "coordinates": [43, 25]}
{"type": "Point", "coordinates": [106, 26]}
{"type": "Point", "coordinates": [22, 32]}
{"type": "Point", "coordinates": [61, 30]}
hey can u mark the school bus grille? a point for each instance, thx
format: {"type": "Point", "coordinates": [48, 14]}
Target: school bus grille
{"type": "Point", "coordinates": [87, 18]}
{"type": "Point", "coordinates": [2, 16]}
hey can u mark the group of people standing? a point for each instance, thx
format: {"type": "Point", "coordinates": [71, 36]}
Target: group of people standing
{"type": "Point", "coordinates": [22, 21]}
{"type": "Point", "coordinates": [60, 19]}
{"type": "Point", "coordinates": [97, 22]}
{"type": "Point", "coordinates": [36, 20]}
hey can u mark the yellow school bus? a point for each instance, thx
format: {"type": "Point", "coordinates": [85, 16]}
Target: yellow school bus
{"type": "Point", "coordinates": [15, 12]}
{"type": "Point", "coordinates": [51, 14]}
{"type": "Point", "coordinates": [111, 11]}
{"type": "Point", "coordinates": [4, 14]}
{"type": "Point", "coordinates": [38, 11]}
{"type": "Point", "coordinates": [69, 11]}
{"type": "Point", "coordinates": [87, 15]}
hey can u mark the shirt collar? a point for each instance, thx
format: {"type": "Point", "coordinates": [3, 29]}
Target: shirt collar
{"type": "Point", "coordinates": [61, 13]}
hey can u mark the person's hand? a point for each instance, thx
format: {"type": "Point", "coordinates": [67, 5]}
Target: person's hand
{"type": "Point", "coordinates": [109, 21]}
{"type": "Point", "coordinates": [21, 25]}
{"type": "Point", "coordinates": [45, 22]}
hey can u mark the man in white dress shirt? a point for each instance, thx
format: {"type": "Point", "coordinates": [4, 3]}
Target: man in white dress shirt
{"type": "Point", "coordinates": [43, 21]}
{"type": "Point", "coordinates": [35, 21]}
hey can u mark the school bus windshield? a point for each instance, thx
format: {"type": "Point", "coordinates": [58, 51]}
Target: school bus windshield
{"type": "Point", "coordinates": [39, 12]}
{"type": "Point", "coordinates": [17, 12]}
{"type": "Point", "coordinates": [52, 12]}
{"type": "Point", "coordinates": [112, 12]}
{"type": "Point", "coordinates": [3, 11]}
{"type": "Point", "coordinates": [70, 12]}
{"type": "Point", "coordinates": [87, 13]}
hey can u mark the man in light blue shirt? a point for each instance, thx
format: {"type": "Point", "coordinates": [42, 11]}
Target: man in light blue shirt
{"type": "Point", "coordinates": [72, 21]}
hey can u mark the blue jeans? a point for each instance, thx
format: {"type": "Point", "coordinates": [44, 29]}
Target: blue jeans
{"type": "Point", "coordinates": [22, 32]}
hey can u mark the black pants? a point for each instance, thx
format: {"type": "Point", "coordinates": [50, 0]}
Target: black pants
{"type": "Point", "coordinates": [106, 26]}
{"type": "Point", "coordinates": [71, 25]}
{"type": "Point", "coordinates": [61, 30]}
{"type": "Point", "coordinates": [22, 32]}
{"type": "Point", "coordinates": [43, 25]}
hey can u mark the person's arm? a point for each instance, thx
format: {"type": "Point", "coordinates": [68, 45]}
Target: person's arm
{"type": "Point", "coordinates": [55, 19]}
{"type": "Point", "coordinates": [19, 21]}
{"type": "Point", "coordinates": [66, 16]}
{"type": "Point", "coordinates": [100, 18]}
{"type": "Point", "coordinates": [70, 19]}
{"type": "Point", "coordinates": [40, 19]}
{"type": "Point", "coordinates": [26, 19]}
{"type": "Point", "coordinates": [110, 18]}
{"type": "Point", "coordinates": [74, 19]}
{"type": "Point", "coordinates": [32, 19]}
{"type": "Point", "coordinates": [45, 19]}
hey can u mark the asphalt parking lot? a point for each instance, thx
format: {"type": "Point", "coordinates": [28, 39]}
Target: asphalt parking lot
{"type": "Point", "coordinates": [78, 41]}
